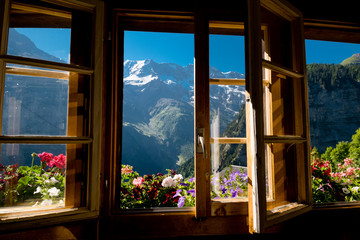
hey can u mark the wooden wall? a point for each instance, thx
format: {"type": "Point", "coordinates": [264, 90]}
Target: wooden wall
{"type": "Point", "coordinates": [75, 230]}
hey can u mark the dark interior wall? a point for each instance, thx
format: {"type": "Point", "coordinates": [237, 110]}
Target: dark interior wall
{"type": "Point", "coordinates": [343, 11]}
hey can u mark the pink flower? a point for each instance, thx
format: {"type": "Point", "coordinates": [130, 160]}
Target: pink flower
{"type": "Point", "coordinates": [46, 157]}
{"type": "Point", "coordinates": [59, 161]}
{"type": "Point", "coordinates": [348, 161]}
{"type": "Point", "coordinates": [350, 171]}
{"type": "Point", "coordinates": [339, 166]}
{"type": "Point", "coordinates": [138, 181]}
{"type": "Point", "coordinates": [127, 169]}
{"type": "Point", "coordinates": [337, 176]}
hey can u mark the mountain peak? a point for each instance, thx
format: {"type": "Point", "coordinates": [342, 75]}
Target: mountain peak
{"type": "Point", "coordinates": [354, 59]}
{"type": "Point", "coordinates": [141, 72]}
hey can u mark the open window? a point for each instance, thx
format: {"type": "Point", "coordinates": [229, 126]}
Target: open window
{"type": "Point", "coordinates": [49, 135]}
{"type": "Point", "coordinates": [272, 146]}
{"type": "Point", "coordinates": [286, 140]}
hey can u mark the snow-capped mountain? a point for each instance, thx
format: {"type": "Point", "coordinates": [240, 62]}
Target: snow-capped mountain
{"type": "Point", "coordinates": [143, 71]}
{"type": "Point", "coordinates": [158, 111]}
{"type": "Point", "coordinates": [140, 73]}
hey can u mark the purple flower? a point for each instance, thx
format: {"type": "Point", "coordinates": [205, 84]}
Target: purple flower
{"type": "Point", "coordinates": [184, 184]}
{"type": "Point", "coordinates": [191, 179]}
{"type": "Point", "coordinates": [232, 177]}
{"type": "Point", "coordinates": [223, 189]}
{"type": "Point", "coordinates": [233, 192]}
{"type": "Point", "coordinates": [181, 201]}
{"type": "Point", "coordinates": [177, 194]}
{"type": "Point", "coordinates": [192, 192]}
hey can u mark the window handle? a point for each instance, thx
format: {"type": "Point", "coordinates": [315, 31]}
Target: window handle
{"type": "Point", "coordinates": [200, 141]}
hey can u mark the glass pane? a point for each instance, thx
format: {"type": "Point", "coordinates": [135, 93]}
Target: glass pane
{"type": "Point", "coordinates": [227, 117]}
{"type": "Point", "coordinates": [227, 61]}
{"type": "Point", "coordinates": [227, 109]}
{"type": "Point", "coordinates": [158, 121]}
{"type": "Point", "coordinates": [281, 103]}
{"type": "Point", "coordinates": [284, 173]}
{"type": "Point", "coordinates": [32, 176]}
{"type": "Point", "coordinates": [40, 43]}
{"type": "Point", "coordinates": [277, 38]}
{"type": "Point", "coordinates": [229, 172]}
{"type": "Point", "coordinates": [35, 105]}
{"type": "Point", "coordinates": [44, 35]}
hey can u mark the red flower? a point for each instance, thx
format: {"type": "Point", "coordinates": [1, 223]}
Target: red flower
{"type": "Point", "coordinates": [152, 193]}
{"type": "Point", "coordinates": [46, 157]}
{"type": "Point", "coordinates": [51, 161]}
{"type": "Point", "coordinates": [136, 193]}
{"type": "Point", "coordinates": [169, 197]}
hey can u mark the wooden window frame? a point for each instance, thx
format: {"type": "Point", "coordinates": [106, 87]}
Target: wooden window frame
{"type": "Point", "coordinates": [91, 132]}
{"type": "Point", "coordinates": [335, 31]}
{"type": "Point", "coordinates": [208, 212]}
{"type": "Point", "coordinates": [262, 212]}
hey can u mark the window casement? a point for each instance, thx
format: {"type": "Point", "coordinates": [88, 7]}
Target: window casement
{"type": "Point", "coordinates": [277, 130]}
{"type": "Point", "coordinates": [288, 139]}
{"type": "Point", "coordinates": [341, 33]}
{"type": "Point", "coordinates": [50, 105]}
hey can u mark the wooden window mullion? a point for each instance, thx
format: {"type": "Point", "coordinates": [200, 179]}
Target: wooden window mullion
{"type": "Point", "coordinates": [255, 119]}
{"type": "Point", "coordinates": [202, 116]}
{"type": "Point", "coordinates": [4, 22]}
{"type": "Point", "coordinates": [78, 121]}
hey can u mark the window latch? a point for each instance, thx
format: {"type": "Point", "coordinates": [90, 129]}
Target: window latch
{"type": "Point", "coordinates": [200, 141]}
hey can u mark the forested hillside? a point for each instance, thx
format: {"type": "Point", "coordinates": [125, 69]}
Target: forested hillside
{"type": "Point", "coordinates": [334, 103]}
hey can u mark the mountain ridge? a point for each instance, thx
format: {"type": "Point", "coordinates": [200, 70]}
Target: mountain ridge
{"type": "Point", "coordinates": [354, 59]}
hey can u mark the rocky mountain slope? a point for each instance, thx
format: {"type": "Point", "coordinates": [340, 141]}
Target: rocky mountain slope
{"type": "Point", "coordinates": [334, 103]}
{"type": "Point", "coordinates": [158, 126]}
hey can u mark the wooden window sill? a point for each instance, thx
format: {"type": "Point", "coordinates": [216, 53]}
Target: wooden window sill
{"type": "Point", "coordinates": [336, 205]}
{"type": "Point", "coordinates": [42, 216]}
{"type": "Point", "coordinates": [156, 211]}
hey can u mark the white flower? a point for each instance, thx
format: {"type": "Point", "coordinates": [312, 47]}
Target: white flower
{"type": "Point", "coordinates": [53, 180]}
{"type": "Point", "coordinates": [38, 190]}
{"type": "Point", "coordinates": [355, 189]}
{"type": "Point", "coordinates": [168, 182]}
{"type": "Point", "coordinates": [53, 192]}
{"type": "Point", "coordinates": [36, 204]}
{"type": "Point", "coordinates": [46, 202]}
{"type": "Point", "coordinates": [346, 191]}
{"type": "Point", "coordinates": [178, 178]}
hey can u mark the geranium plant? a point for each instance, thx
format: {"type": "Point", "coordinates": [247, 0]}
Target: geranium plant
{"type": "Point", "coordinates": [42, 184]}
{"type": "Point", "coordinates": [339, 184]}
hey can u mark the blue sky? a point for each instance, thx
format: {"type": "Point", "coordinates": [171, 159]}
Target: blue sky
{"type": "Point", "coordinates": [226, 52]}
{"type": "Point", "coordinates": [55, 41]}
{"type": "Point", "coordinates": [329, 52]}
